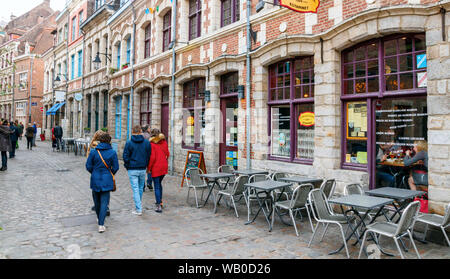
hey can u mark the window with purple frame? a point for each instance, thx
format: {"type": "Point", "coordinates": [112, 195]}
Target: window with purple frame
{"type": "Point", "coordinates": [385, 67]}
{"type": "Point", "coordinates": [291, 102]}
{"type": "Point", "coordinates": [146, 107]}
{"type": "Point", "coordinates": [229, 83]}
{"type": "Point", "coordinates": [195, 19]}
{"type": "Point", "coordinates": [167, 30]}
{"type": "Point", "coordinates": [194, 114]}
{"type": "Point", "coordinates": [230, 12]}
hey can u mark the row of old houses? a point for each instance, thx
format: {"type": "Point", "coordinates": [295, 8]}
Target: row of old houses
{"type": "Point", "coordinates": [260, 86]}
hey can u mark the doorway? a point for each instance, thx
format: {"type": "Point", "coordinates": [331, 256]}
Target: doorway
{"type": "Point", "coordinates": [165, 112]}
{"type": "Point", "coordinates": [229, 142]}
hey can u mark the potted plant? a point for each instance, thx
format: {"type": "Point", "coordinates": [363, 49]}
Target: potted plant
{"type": "Point", "coordinates": [113, 71]}
{"type": "Point", "coordinates": [125, 66]}
{"type": "Point", "coordinates": [104, 129]}
{"type": "Point", "coordinates": [87, 131]}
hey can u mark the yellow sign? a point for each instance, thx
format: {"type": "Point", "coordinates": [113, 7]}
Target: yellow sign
{"type": "Point", "coordinates": [302, 6]}
{"type": "Point", "coordinates": [190, 121]}
{"type": "Point", "coordinates": [307, 119]}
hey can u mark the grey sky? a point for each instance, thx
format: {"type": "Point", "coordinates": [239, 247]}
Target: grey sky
{"type": "Point", "coordinates": [19, 7]}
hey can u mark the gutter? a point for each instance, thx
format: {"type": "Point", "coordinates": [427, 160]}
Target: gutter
{"type": "Point", "coordinates": [172, 95]}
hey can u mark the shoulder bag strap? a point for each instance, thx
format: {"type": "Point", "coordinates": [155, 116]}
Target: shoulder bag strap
{"type": "Point", "coordinates": [114, 179]}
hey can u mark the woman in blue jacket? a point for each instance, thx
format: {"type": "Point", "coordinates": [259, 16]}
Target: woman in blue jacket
{"type": "Point", "coordinates": [102, 171]}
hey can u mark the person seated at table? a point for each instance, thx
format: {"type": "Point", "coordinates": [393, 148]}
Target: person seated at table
{"type": "Point", "coordinates": [419, 173]}
{"type": "Point", "coordinates": [383, 173]}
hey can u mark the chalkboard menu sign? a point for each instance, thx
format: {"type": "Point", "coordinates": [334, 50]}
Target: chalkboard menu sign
{"type": "Point", "coordinates": [194, 159]}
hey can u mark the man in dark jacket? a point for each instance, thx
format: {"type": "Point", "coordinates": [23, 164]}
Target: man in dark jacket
{"type": "Point", "coordinates": [58, 132]}
{"type": "Point", "coordinates": [5, 143]}
{"type": "Point", "coordinates": [34, 134]}
{"type": "Point", "coordinates": [14, 138]}
{"type": "Point", "coordinates": [136, 156]}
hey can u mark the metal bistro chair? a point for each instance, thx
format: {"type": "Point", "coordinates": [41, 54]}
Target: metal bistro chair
{"type": "Point", "coordinates": [298, 201]}
{"type": "Point", "coordinates": [287, 190]}
{"type": "Point", "coordinates": [226, 169]}
{"type": "Point", "coordinates": [195, 182]}
{"type": "Point", "coordinates": [321, 212]}
{"type": "Point", "coordinates": [328, 187]}
{"type": "Point", "coordinates": [236, 191]}
{"type": "Point", "coordinates": [251, 194]}
{"type": "Point", "coordinates": [396, 231]}
{"type": "Point", "coordinates": [436, 220]}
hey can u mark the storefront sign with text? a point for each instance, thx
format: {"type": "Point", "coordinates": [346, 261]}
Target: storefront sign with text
{"type": "Point", "coordinates": [302, 6]}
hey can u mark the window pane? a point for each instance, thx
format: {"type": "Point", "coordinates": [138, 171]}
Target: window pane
{"type": "Point", "coordinates": [306, 91]}
{"type": "Point", "coordinates": [298, 92]}
{"type": "Point", "coordinates": [356, 133]}
{"type": "Point", "coordinates": [405, 45]}
{"type": "Point", "coordinates": [390, 48]}
{"type": "Point", "coordinates": [360, 86]}
{"type": "Point", "coordinates": [374, 84]}
{"type": "Point", "coordinates": [348, 71]}
{"type": "Point", "coordinates": [406, 63]}
{"type": "Point", "coordinates": [390, 65]}
{"type": "Point", "coordinates": [406, 81]}
{"type": "Point", "coordinates": [281, 131]}
{"type": "Point", "coordinates": [305, 131]}
{"type": "Point", "coordinates": [360, 69]}
{"type": "Point", "coordinates": [360, 53]}
{"type": "Point", "coordinates": [348, 56]}
{"type": "Point", "coordinates": [372, 67]}
{"type": "Point", "coordinates": [348, 87]}
{"type": "Point", "coordinates": [189, 126]}
{"type": "Point", "coordinates": [420, 42]}
{"type": "Point", "coordinates": [306, 78]}
{"type": "Point", "coordinates": [391, 83]}
{"type": "Point", "coordinates": [372, 51]}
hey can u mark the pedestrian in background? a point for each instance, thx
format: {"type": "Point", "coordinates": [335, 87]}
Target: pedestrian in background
{"type": "Point", "coordinates": [147, 136]}
{"type": "Point", "coordinates": [103, 164]}
{"type": "Point", "coordinates": [158, 165]}
{"type": "Point", "coordinates": [34, 134]}
{"type": "Point", "coordinates": [5, 143]}
{"type": "Point", "coordinates": [21, 128]}
{"type": "Point", "coordinates": [136, 156]}
{"type": "Point", "coordinates": [29, 133]}
{"type": "Point", "coordinates": [58, 132]}
{"type": "Point", "coordinates": [14, 138]}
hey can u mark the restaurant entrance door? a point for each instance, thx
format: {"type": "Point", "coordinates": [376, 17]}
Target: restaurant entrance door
{"type": "Point", "coordinates": [229, 142]}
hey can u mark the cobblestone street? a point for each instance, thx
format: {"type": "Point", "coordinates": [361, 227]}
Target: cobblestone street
{"type": "Point", "coordinates": [45, 212]}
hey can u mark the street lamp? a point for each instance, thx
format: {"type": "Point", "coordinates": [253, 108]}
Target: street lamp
{"type": "Point", "coordinates": [58, 79]}
{"type": "Point", "coordinates": [97, 61]}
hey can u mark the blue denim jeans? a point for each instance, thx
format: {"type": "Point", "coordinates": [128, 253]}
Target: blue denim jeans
{"type": "Point", "coordinates": [137, 181]}
{"type": "Point", "coordinates": [158, 188]}
{"type": "Point", "coordinates": [101, 201]}
{"type": "Point", "coordinates": [149, 180]}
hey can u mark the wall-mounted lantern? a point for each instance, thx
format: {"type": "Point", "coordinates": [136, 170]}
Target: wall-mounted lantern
{"type": "Point", "coordinates": [241, 91]}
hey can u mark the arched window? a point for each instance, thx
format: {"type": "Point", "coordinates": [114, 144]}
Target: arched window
{"type": "Point", "coordinates": [291, 102]}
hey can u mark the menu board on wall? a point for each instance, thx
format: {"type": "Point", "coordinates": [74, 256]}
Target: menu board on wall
{"type": "Point", "coordinates": [357, 120]}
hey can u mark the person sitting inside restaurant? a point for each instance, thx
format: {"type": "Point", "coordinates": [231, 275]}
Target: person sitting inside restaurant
{"type": "Point", "coordinates": [383, 173]}
{"type": "Point", "coordinates": [419, 172]}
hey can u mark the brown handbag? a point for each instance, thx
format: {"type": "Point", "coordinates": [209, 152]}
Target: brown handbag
{"type": "Point", "coordinates": [114, 179]}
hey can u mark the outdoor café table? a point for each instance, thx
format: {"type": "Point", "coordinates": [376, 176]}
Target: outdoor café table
{"type": "Point", "coordinates": [398, 195]}
{"type": "Point", "coordinates": [368, 203]}
{"type": "Point", "coordinates": [250, 172]}
{"type": "Point", "coordinates": [266, 186]}
{"type": "Point", "coordinates": [301, 180]}
{"type": "Point", "coordinates": [213, 179]}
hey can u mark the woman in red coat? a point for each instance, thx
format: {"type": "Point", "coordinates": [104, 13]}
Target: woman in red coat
{"type": "Point", "coordinates": [158, 165]}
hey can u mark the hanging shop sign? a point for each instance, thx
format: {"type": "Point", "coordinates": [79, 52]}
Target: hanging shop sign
{"type": "Point", "coordinates": [301, 6]}
{"type": "Point", "coordinates": [307, 119]}
{"type": "Point", "coordinates": [78, 97]}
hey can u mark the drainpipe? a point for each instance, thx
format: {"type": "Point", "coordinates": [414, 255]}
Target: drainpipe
{"type": "Point", "coordinates": [133, 39]}
{"type": "Point", "coordinates": [31, 85]}
{"type": "Point", "coordinates": [249, 72]}
{"type": "Point", "coordinates": [82, 85]}
{"type": "Point", "coordinates": [172, 97]}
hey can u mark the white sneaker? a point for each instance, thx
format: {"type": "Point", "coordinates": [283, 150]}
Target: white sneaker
{"type": "Point", "coordinates": [101, 229]}
{"type": "Point", "coordinates": [136, 213]}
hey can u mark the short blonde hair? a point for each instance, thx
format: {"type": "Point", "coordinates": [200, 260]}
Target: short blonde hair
{"type": "Point", "coordinates": [421, 145]}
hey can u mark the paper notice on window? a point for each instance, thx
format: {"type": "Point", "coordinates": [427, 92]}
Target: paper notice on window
{"type": "Point", "coordinates": [358, 122]}
{"type": "Point", "coordinates": [361, 157]}
{"type": "Point", "coordinates": [364, 123]}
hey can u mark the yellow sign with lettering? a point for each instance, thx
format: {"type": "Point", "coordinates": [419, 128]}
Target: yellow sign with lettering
{"type": "Point", "coordinates": [307, 119]}
{"type": "Point", "coordinates": [302, 6]}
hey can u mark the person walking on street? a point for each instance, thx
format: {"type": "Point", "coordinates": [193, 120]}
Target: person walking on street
{"type": "Point", "coordinates": [34, 134]}
{"type": "Point", "coordinates": [147, 136]}
{"type": "Point", "coordinates": [21, 128]}
{"type": "Point", "coordinates": [158, 165]}
{"type": "Point", "coordinates": [29, 133]}
{"type": "Point", "coordinates": [136, 156]}
{"type": "Point", "coordinates": [58, 132]}
{"type": "Point", "coordinates": [5, 143]}
{"type": "Point", "coordinates": [14, 138]}
{"type": "Point", "coordinates": [103, 164]}
{"type": "Point", "coordinates": [94, 143]}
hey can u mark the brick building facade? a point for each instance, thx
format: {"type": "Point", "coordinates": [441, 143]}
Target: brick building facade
{"type": "Point", "coordinates": [321, 83]}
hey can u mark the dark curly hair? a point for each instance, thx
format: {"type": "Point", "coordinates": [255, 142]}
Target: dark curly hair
{"type": "Point", "coordinates": [104, 138]}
